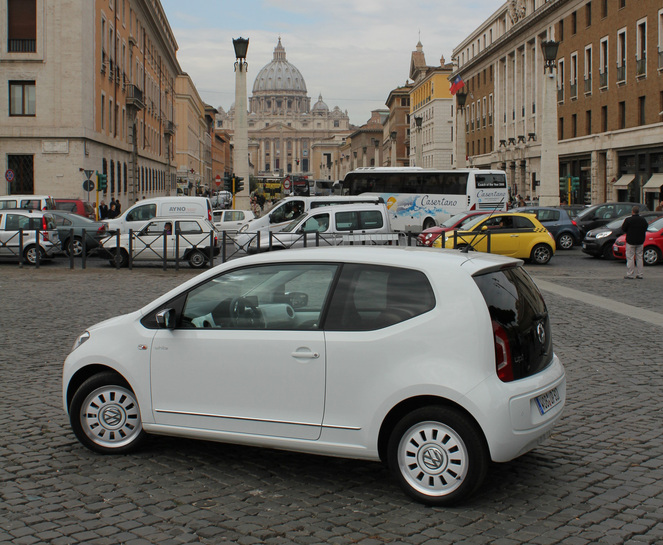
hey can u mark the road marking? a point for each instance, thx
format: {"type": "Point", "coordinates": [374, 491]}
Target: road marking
{"type": "Point", "coordinates": [648, 316]}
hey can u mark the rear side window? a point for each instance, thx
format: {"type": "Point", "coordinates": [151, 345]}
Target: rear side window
{"type": "Point", "coordinates": [358, 220]}
{"type": "Point", "coordinates": [8, 204]}
{"type": "Point", "coordinates": [371, 297]}
{"type": "Point", "coordinates": [520, 321]}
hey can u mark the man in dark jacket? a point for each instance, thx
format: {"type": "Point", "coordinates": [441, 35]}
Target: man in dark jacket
{"type": "Point", "coordinates": [635, 228]}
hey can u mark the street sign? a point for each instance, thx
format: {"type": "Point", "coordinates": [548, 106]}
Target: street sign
{"type": "Point", "coordinates": [286, 184]}
{"type": "Point", "coordinates": [9, 175]}
{"type": "Point", "coordinates": [88, 185]}
{"type": "Point", "coordinates": [88, 174]}
{"type": "Point", "coordinates": [217, 180]}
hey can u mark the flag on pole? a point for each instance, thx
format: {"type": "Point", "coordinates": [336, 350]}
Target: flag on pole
{"type": "Point", "coordinates": [456, 85]}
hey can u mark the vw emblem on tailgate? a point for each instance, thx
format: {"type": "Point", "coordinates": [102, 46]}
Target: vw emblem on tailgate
{"type": "Point", "coordinates": [541, 333]}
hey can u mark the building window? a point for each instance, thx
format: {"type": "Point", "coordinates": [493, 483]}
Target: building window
{"type": "Point", "coordinates": [622, 115]}
{"type": "Point", "coordinates": [561, 129]}
{"type": "Point", "coordinates": [561, 30]}
{"type": "Point", "coordinates": [574, 126]}
{"type": "Point", "coordinates": [103, 111]}
{"type": "Point", "coordinates": [641, 110]}
{"type": "Point", "coordinates": [604, 119]}
{"type": "Point", "coordinates": [621, 55]}
{"type": "Point", "coordinates": [604, 8]}
{"type": "Point", "coordinates": [588, 122]}
{"type": "Point", "coordinates": [22, 98]}
{"type": "Point", "coordinates": [641, 48]}
{"type": "Point", "coordinates": [603, 60]}
{"type": "Point", "coordinates": [21, 26]}
{"type": "Point", "coordinates": [574, 22]}
{"type": "Point", "coordinates": [622, 4]}
{"type": "Point", "coordinates": [588, 13]}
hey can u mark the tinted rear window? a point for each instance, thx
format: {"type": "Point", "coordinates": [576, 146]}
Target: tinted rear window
{"type": "Point", "coordinates": [516, 304]}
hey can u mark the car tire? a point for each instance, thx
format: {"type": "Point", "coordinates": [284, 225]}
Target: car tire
{"type": "Point", "coordinates": [30, 254]}
{"type": "Point", "coordinates": [121, 260]}
{"type": "Point", "coordinates": [75, 246]}
{"type": "Point", "coordinates": [197, 259]}
{"type": "Point", "coordinates": [565, 241]}
{"type": "Point", "coordinates": [438, 455]}
{"type": "Point", "coordinates": [105, 415]}
{"type": "Point", "coordinates": [651, 255]}
{"type": "Point", "coordinates": [541, 254]}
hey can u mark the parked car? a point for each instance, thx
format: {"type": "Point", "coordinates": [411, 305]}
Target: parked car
{"type": "Point", "coordinates": [510, 233]}
{"type": "Point", "coordinates": [76, 206]}
{"type": "Point", "coordinates": [572, 209]}
{"type": "Point", "coordinates": [39, 234]}
{"type": "Point", "coordinates": [190, 235]}
{"type": "Point", "coordinates": [365, 223]}
{"type": "Point", "coordinates": [27, 202]}
{"type": "Point", "coordinates": [93, 232]}
{"type": "Point", "coordinates": [599, 242]}
{"type": "Point", "coordinates": [231, 220]}
{"type": "Point", "coordinates": [404, 355]}
{"type": "Point", "coordinates": [653, 247]}
{"type": "Point", "coordinates": [428, 236]}
{"type": "Point", "coordinates": [600, 214]}
{"type": "Point", "coordinates": [557, 220]}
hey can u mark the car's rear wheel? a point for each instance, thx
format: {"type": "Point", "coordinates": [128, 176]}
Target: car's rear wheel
{"type": "Point", "coordinates": [438, 455]}
{"type": "Point", "coordinates": [541, 254]}
{"type": "Point", "coordinates": [105, 415]}
{"type": "Point", "coordinates": [119, 260]}
{"type": "Point", "coordinates": [197, 259]}
{"type": "Point", "coordinates": [74, 246]}
{"type": "Point", "coordinates": [30, 254]}
{"type": "Point", "coordinates": [565, 241]}
{"type": "Point", "coordinates": [651, 255]}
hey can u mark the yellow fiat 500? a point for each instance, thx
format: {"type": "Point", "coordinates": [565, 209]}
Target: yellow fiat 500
{"type": "Point", "coordinates": [511, 234]}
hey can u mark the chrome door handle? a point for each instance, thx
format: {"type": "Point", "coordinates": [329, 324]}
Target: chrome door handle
{"type": "Point", "coordinates": [306, 355]}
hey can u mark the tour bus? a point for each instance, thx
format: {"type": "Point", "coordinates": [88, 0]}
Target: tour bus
{"type": "Point", "coordinates": [419, 198]}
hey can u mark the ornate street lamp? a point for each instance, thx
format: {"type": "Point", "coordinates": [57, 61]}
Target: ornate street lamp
{"type": "Point", "coordinates": [241, 46]}
{"type": "Point", "coordinates": [241, 129]}
{"type": "Point", "coordinates": [549, 49]}
{"type": "Point", "coordinates": [461, 98]}
{"type": "Point", "coordinates": [549, 175]}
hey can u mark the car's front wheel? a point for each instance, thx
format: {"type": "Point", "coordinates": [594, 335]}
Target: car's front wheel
{"type": "Point", "coordinates": [105, 415]}
{"type": "Point", "coordinates": [651, 255]}
{"type": "Point", "coordinates": [541, 254]}
{"type": "Point", "coordinates": [438, 455]}
{"type": "Point", "coordinates": [74, 246]}
{"type": "Point", "coordinates": [119, 260]}
{"type": "Point", "coordinates": [565, 241]}
{"type": "Point", "coordinates": [30, 254]}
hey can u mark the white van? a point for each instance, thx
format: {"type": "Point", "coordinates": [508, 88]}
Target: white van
{"type": "Point", "coordinates": [27, 202]}
{"type": "Point", "coordinates": [139, 214]}
{"type": "Point", "coordinates": [365, 223]}
{"type": "Point", "coordinates": [290, 208]}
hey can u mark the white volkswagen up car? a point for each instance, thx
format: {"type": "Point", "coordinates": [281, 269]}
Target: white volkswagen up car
{"type": "Point", "coordinates": [435, 362]}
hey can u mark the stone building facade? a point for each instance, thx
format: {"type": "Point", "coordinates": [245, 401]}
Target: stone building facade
{"type": "Point", "coordinates": [90, 87]}
{"type": "Point", "coordinates": [283, 127]}
{"type": "Point", "coordinates": [609, 74]}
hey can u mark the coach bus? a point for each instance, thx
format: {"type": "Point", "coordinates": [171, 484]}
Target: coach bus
{"type": "Point", "coordinates": [419, 198]}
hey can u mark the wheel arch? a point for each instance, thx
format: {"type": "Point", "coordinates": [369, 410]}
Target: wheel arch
{"type": "Point", "coordinates": [85, 373]}
{"type": "Point", "coordinates": [411, 404]}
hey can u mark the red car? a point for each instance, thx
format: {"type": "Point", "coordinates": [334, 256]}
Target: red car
{"type": "Point", "coordinates": [428, 236]}
{"type": "Point", "coordinates": [653, 247]}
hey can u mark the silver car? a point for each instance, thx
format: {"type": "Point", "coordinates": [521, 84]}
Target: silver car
{"type": "Point", "coordinates": [25, 232]}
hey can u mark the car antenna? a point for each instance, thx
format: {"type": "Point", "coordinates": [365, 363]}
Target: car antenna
{"type": "Point", "coordinates": [465, 249]}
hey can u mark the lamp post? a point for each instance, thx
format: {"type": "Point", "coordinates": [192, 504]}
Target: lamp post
{"type": "Point", "coordinates": [461, 155]}
{"type": "Point", "coordinates": [241, 132]}
{"type": "Point", "coordinates": [549, 189]}
{"type": "Point", "coordinates": [393, 136]}
{"type": "Point", "coordinates": [418, 120]}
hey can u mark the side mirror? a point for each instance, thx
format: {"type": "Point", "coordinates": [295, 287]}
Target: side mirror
{"type": "Point", "coordinates": [166, 318]}
{"type": "Point", "coordinates": [484, 228]}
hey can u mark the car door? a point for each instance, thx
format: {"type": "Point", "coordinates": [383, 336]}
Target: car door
{"type": "Point", "coordinates": [148, 243]}
{"type": "Point", "coordinates": [550, 219]}
{"type": "Point", "coordinates": [247, 355]}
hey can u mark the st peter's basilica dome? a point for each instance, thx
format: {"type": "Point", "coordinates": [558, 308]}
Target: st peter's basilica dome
{"type": "Point", "coordinates": [279, 75]}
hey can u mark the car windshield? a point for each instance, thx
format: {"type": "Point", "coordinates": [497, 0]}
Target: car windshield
{"type": "Point", "coordinates": [453, 220]}
{"type": "Point", "coordinates": [656, 226]}
{"type": "Point", "coordinates": [292, 225]}
{"type": "Point", "coordinates": [472, 223]}
{"type": "Point", "coordinates": [616, 224]}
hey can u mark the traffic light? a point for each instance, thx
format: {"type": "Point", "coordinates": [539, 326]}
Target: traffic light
{"type": "Point", "coordinates": [575, 183]}
{"type": "Point", "coordinates": [239, 185]}
{"type": "Point", "coordinates": [102, 182]}
{"type": "Point", "coordinates": [227, 182]}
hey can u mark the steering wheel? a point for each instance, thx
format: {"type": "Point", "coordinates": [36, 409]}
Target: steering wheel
{"type": "Point", "coordinates": [245, 314]}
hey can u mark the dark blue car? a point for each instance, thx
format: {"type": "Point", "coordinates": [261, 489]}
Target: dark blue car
{"type": "Point", "coordinates": [558, 222]}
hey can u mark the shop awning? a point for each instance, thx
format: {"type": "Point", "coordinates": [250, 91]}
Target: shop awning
{"type": "Point", "coordinates": [625, 180]}
{"type": "Point", "coordinates": [654, 183]}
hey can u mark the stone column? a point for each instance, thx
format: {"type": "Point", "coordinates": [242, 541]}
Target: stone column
{"type": "Point", "coordinates": [549, 191]}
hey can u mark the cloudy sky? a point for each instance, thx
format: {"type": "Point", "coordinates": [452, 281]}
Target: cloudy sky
{"type": "Point", "coordinates": [353, 52]}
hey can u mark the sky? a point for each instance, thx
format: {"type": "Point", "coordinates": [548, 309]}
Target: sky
{"type": "Point", "coordinates": [353, 52]}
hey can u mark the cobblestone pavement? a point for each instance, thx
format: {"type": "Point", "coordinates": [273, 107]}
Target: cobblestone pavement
{"type": "Point", "coordinates": [598, 479]}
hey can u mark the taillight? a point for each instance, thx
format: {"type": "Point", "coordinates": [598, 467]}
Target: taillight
{"type": "Point", "coordinates": [101, 229]}
{"type": "Point", "coordinates": [216, 240]}
{"type": "Point", "coordinates": [574, 223]}
{"type": "Point", "coordinates": [503, 360]}
{"type": "Point", "coordinates": [44, 227]}
{"type": "Point", "coordinates": [209, 213]}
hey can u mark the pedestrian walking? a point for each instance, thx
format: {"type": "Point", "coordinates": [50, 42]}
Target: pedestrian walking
{"type": "Point", "coordinates": [635, 228]}
{"type": "Point", "coordinates": [103, 210]}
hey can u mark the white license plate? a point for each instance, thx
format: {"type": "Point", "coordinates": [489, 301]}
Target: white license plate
{"type": "Point", "coordinates": [584, 245]}
{"type": "Point", "coordinates": [547, 401]}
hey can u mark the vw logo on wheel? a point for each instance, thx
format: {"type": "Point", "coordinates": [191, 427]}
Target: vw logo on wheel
{"type": "Point", "coordinates": [112, 416]}
{"type": "Point", "coordinates": [433, 458]}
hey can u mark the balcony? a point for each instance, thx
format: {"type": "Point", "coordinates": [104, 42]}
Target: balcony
{"type": "Point", "coordinates": [588, 85]}
{"type": "Point", "coordinates": [169, 128]}
{"type": "Point", "coordinates": [603, 79]}
{"type": "Point", "coordinates": [560, 94]}
{"type": "Point", "coordinates": [21, 46]}
{"type": "Point", "coordinates": [621, 73]}
{"type": "Point", "coordinates": [573, 89]}
{"type": "Point", "coordinates": [135, 97]}
{"type": "Point", "coordinates": [641, 66]}
{"type": "Point", "coordinates": [660, 60]}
